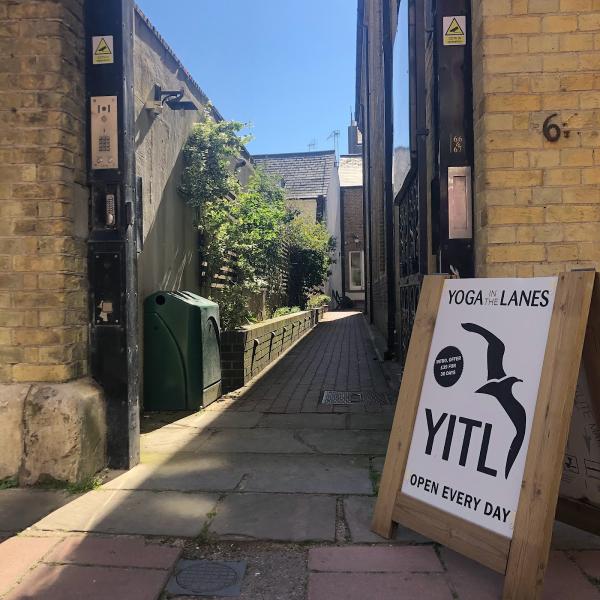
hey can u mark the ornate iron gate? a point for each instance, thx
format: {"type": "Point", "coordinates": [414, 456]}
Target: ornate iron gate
{"type": "Point", "coordinates": [410, 274]}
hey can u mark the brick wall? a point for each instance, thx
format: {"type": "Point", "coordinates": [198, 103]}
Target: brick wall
{"type": "Point", "coordinates": [538, 202]}
{"type": "Point", "coordinates": [43, 207]}
{"type": "Point", "coordinates": [247, 351]}
{"type": "Point", "coordinates": [352, 200]}
{"type": "Point", "coordinates": [48, 430]}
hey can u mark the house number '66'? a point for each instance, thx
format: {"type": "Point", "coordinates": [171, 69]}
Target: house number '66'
{"type": "Point", "coordinates": [551, 131]}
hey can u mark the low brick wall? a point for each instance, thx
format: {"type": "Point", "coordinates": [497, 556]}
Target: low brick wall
{"type": "Point", "coordinates": [247, 351]}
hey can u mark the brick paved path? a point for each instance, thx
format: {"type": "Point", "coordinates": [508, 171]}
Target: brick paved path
{"type": "Point", "coordinates": [337, 355]}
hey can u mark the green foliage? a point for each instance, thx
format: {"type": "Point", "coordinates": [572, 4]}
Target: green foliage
{"type": "Point", "coordinates": [207, 156]}
{"type": "Point", "coordinates": [286, 310]}
{"type": "Point", "coordinates": [252, 223]}
{"type": "Point", "coordinates": [311, 248]}
{"type": "Point", "coordinates": [318, 300]}
{"type": "Point", "coordinates": [6, 484]}
{"type": "Point", "coordinates": [233, 307]}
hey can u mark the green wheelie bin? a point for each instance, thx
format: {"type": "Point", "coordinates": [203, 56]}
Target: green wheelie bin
{"type": "Point", "coordinates": [182, 361]}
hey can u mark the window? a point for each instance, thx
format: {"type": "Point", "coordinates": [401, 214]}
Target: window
{"type": "Point", "coordinates": [357, 271]}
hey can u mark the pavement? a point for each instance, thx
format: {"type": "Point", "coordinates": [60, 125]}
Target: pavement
{"type": "Point", "coordinates": [270, 476]}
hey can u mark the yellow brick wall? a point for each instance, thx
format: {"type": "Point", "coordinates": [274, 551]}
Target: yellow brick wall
{"type": "Point", "coordinates": [43, 199]}
{"type": "Point", "coordinates": [537, 203]}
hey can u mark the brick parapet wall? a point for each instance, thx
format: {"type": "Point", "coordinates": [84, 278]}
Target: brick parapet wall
{"type": "Point", "coordinates": [43, 199]}
{"type": "Point", "coordinates": [537, 202]}
{"type": "Point", "coordinates": [247, 351]}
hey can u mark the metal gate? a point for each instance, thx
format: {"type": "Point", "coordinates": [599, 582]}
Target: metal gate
{"type": "Point", "coordinates": [430, 236]}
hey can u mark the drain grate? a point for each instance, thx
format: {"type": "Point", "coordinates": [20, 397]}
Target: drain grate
{"type": "Point", "coordinates": [330, 397]}
{"type": "Point", "coordinates": [345, 398]}
{"type": "Point", "coordinates": [207, 578]}
{"type": "Point", "coordinates": [378, 398]}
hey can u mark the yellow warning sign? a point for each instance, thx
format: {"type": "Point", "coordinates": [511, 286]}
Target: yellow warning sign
{"type": "Point", "coordinates": [455, 31]}
{"type": "Point", "coordinates": [102, 50]}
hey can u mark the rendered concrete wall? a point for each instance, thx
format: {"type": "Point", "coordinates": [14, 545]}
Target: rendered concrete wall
{"type": "Point", "coordinates": [169, 258]}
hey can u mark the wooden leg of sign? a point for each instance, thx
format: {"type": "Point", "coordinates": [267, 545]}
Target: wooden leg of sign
{"type": "Point", "coordinates": [408, 403]}
{"type": "Point", "coordinates": [530, 546]}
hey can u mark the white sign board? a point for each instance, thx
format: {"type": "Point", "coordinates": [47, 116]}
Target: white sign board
{"type": "Point", "coordinates": [471, 434]}
{"type": "Point", "coordinates": [103, 50]}
{"type": "Point", "coordinates": [455, 31]}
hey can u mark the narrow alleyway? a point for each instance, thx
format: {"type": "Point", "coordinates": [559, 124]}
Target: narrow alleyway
{"type": "Point", "coordinates": [274, 477]}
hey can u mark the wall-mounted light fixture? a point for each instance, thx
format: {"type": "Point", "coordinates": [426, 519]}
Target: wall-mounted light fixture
{"type": "Point", "coordinates": [172, 98]}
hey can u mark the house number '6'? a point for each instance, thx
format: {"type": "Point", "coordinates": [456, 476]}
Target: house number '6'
{"type": "Point", "coordinates": [552, 131]}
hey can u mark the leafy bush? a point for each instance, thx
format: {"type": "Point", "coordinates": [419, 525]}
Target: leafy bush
{"type": "Point", "coordinates": [233, 307]}
{"type": "Point", "coordinates": [318, 300]}
{"type": "Point", "coordinates": [252, 223]}
{"type": "Point", "coordinates": [286, 310]}
{"type": "Point", "coordinates": [311, 248]}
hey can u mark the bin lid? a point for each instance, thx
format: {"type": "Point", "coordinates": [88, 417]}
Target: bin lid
{"type": "Point", "coordinates": [182, 296]}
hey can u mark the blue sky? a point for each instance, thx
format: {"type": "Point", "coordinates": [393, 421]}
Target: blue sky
{"type": "Point", "coordinates": [287, 67]}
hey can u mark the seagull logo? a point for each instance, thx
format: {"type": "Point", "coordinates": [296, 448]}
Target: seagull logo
{"type": "Point", "coordinates": [500, 387]}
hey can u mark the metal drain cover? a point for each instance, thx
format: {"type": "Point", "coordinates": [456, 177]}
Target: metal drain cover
{"type": "Point", "coordinates": [330, 397]}
{"type": "Point", "coordinates": [377, 398]}
{"type": "Point", "coordinates": [207, 578]}
{"type": "Point", "coordinates": [367, 398]}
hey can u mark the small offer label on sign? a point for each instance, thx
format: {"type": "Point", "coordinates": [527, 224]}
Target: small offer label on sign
{"type": "Point", "coordinates": [471, 435]}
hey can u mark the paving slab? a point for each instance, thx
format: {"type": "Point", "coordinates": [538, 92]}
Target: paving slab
{"type": "Point", "coordinates": [221, 420]}
{"type": "Point", "coordinates": [269, 441]}
{"type": "Point", "coordinates": [74, 582]}
{"type": "Point", "coordinates": [282, 517]}
{"type": "Point", "coordinates": [335, 441]}
{"type": "Point", "coordinates": [174, 514]}
{"type": "Point", "coordinates": [378, 586]}
{"type": "Point", "coordinates": [303, 421]}
{"type": "Point", "coordinates": [565, 580]}
{"type": "Point", "coordinates": [375, 559]}
{"type": "Point", "coordinates": [172, 439]}
{"type": "Point", "coordinates": [469, 579]}
{"type": "Point", "coordinates": [316, 474]}
{"type": "Point", "coordinates": [18, 555]}
{"type": "Point", "coordinates": [566, 537]}
{"type": "Point", "coordinates": [308, 474]}
{"type": "Point", "coordinates": [115, 551]}
{"type": "Point", "coordinates": [473, 581]}
{"type": "Point", "coordinates": [366, 421]}
{"type": "Point", "coordinates": [358, 511]}
{"type": "Point", "coordinates": [184, 472]}
{"type": "Point", "coordinates": [20, 508]}
{"type": "Point", "coordinates": [589, 562]}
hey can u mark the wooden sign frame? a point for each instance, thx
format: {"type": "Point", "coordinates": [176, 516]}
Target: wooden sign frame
{"type": "Point", "coordinates": [523, 558]}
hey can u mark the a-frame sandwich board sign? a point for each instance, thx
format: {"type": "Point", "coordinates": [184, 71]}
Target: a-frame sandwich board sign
{"type": "Point", "coordinates": [477, 446]}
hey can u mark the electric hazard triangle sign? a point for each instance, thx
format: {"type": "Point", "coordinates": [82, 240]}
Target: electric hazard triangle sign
{"type": "Point", "coordinates": [102, 49]}
{"type": "Point", "coordinates": [455, 31]}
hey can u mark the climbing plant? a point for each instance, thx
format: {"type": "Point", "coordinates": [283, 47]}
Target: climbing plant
{"type": "Point", "coordinates": [251, 222]}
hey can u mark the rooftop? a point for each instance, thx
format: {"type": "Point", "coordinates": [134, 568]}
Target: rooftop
{"type": "Point", "coordinates": [351, 174]}
{"type": "Point", "coordinates": [303, 174]}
